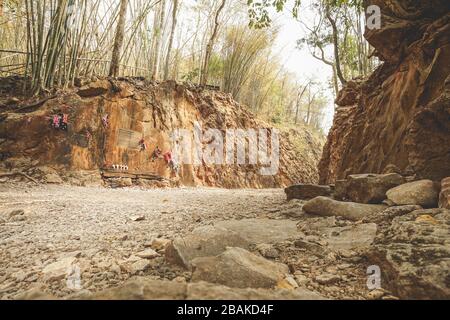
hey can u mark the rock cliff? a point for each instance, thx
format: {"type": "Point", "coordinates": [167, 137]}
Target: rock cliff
{"type": "Point", "coordinates": [400, 117]}
{"type": "Point", "coordinates": [110, 120]}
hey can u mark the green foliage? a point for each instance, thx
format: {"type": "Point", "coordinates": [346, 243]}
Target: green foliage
{"type": "Point", "coordinates": [191, 75]}
{"type": "Point", "coordinates": [258, 11]}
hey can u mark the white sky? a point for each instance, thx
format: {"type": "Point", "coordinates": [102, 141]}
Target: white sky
{"type": "Point", "coordinates": [301, 62]}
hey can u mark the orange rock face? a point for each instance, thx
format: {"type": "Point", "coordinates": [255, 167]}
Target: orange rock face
{"type": "Point", "coordinates": [120, 123]}
{"type": "Point", "coordinates": [401, 115]}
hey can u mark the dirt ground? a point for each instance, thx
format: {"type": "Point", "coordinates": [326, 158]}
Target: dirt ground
{"type": "Point", "coordinates": [99, 227]}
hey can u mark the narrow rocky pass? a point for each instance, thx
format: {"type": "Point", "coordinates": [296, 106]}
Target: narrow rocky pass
{"type": "Point", "coordinates": [113, 235]}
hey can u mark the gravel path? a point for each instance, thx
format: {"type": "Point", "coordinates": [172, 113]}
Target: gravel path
{"type": "Point", "coordinates": [96, 225]}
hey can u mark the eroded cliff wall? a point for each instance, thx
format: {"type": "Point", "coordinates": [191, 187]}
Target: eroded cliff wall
{"type": "Point", "coordinates": [399, 119]}
{"type": "Point", "coordinates": [137, 110]}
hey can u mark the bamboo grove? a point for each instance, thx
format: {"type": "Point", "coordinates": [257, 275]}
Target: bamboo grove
{"type": "Point", "coordinates": [52, 43]}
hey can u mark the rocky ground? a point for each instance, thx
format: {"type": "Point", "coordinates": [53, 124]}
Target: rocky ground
{"type": "Point", "coordinates": [98, 229]}
{"type": "Point", "coordinates": [203, 243]}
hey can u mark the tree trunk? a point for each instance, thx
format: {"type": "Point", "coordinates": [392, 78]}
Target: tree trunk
{"type": "Point", "coordinates": [118, 42]}
{"type": "Point", "coordinates": [209, 47]}
{"type": "Point", "coordinates": [299, 97]}
{"type": "Point", "coordinates": [336, 46]}
{"type": "Point", "coordinates": [172, 34]}
{"type": "Point", "coordinates": [158, 36]}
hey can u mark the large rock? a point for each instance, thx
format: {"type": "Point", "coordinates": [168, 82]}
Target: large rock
{"type": "Point", "coordinates": [140, 288]}
{"type": "Point", "coordinates": [414, 255]}
{"type": "Point", "coordinates": [58, 270]}
{"type": "Point", "coordinates": [390, 213]}
{"type": "Point", "coordinates": [423, 193]}
{"type": "Point", "coordinates": [306, 191]}
{"type": "Point", "coordinates": [202, 242]}
{"type": "Point", "coordinates": [351, 237]}
{"type": "Point", "coordinates": [134, 265]}
{"type": "Point", "coordinates": [239, 268]}
{"type": "Point", "coordinates": [208, 291]}
{"type": "Point", "coordinates": [444, 197]}
{"type": "Point", "coordinates": [257, 231]}
{"type": "Point", "coordinates": [323, 206]}
{"type": "Point", "coordinates": [371, 188]}
{"type": "Point", "coordinates": [340, 190]}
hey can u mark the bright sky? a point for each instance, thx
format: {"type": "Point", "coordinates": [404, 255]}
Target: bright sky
{"type": "Point", "coordinates": [299, 61]}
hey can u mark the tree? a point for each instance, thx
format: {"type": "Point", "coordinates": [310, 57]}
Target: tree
{"type": "Point", "coordinates": [241, 49]}
{"type": "Point", "coordinates": [157, 37]}
{"type": "Point", "coordinates": [118, 42]}
{"type": "Point", "coordinates": [209, 47]}
{"type": "Point", "coordinates": [337, 58]}
{"type": "Point", "coordinates": [300, 94]}
{"type": "Point", "coordinates": [172, 35]}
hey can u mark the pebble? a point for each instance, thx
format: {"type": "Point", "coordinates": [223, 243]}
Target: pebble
{"type": "Point", "coordinates": [327, 278]}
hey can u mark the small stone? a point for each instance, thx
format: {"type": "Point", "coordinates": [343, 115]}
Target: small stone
{"type": "Point", "coordinates": [138, 266]}
{"type": "Point", "coordinates": [267, 251]}
{"type": "Point", "coordinates": [326, 278]}
{"type": "Point", "coordinates": [376, 294]}
{"type": "Point", "coordinates": [18, 218]}
{"type": "Point", "coordinates": [147, 254]}
{"type": "Point", "coordinates": [344, 266]}
{"type": "Point", "coordinates": [302, 280]}
{"type": "Point", "coordinates": [19, 276]}
{"type": "Point", "coordinates": [59, 269]}
{"type": "Point", "coordinates": [137, 218]}
{"type": "Point", "coordinates": [390, 297]}
{"type": "Point", "coordinates": [180, 279]}
{"type": "Point", "coordinates": [159, 244]}
{"type": "Point", "coordinates": [287, 283]}
{"type": "Point", "coordinates": [15, 213]}
{"type": "Point", "coordinates": [115, 268]}
{"type": "Point", "coordinates": [426, 219]}
{"type": "Point", "coordinates": [123, 238]}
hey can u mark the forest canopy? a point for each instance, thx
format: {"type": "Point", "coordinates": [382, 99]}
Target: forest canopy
{"type": "Point", "coordinates": [229, 44]}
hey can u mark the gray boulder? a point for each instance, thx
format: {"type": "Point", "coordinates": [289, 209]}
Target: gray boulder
{"type": "Point", "coordinates": [140, 288]}
{"type": "Point", "coordinates": [351, 237]}
{"type": "Point", "coordinates": [307, 191]}
{"type": "Point", "coordinates": [202, 242]}
{"type": "Point", "coordinates": [239, 268]}
{"type": "Point", "coordinates": [413, 254]}
{"type": "Point", "coordinates": [423, 193]}
{"type": "Point", "coordinates": [257, 231]}
{"type": "Point", "coordinates": [371, 188]}
{"type": "Point", "coordinates": [349, 210]}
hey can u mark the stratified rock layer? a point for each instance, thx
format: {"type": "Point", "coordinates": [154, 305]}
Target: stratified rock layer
{"type": "Point", "coordinates": [107, 119]}
{"type": "Point", "coordinates": [401, 115]}
{"type": "Point", "coordinates": [413, 254]}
